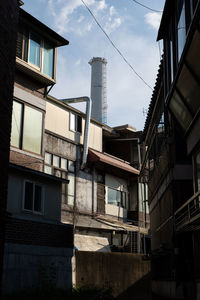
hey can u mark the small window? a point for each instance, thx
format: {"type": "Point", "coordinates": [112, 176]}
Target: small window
{"type": "Point", "coordinates": [64, 163]}
{"type": "Point", "coordinates": [27, 125]}
{"type": "Point", "coordinates": [197, 167]}
{"type": "Point", "coordinates": [48, 158]}
{"type": "Point", "coordinates": [33, 197]}
{"type": "Point", "coordinates": [71, 166]}
{"type": "Point", "coordinates": [181, 29]}
{"type": "Point", "coordinates": [48, 58]}
{"type": "Point", "coordinates": [56, 161]}
{"type": "Point", "coordinates": [116, 197]}
{"type": "Point", "coordinates": [75, 123]}
{"type": "Point", "coordinates": [34, 50]}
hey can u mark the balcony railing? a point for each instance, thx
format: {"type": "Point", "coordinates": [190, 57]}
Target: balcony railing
{"type": "Point", "coordinates": [188, 215]}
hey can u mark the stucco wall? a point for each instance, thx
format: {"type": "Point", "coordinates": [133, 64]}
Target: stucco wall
{"type": "Point", "coordinates": [57, 121]}
{"type": "Point", "coordinates": [52, 196]}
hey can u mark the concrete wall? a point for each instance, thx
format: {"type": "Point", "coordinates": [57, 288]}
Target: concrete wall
{"type": "Point", "coordinates": [57, 121]}
{"type": "Point", "coordinates": [28, 266]}
{"type": "Point", "coordinates": [52, 196]}
{"type": "Point", "coordinates": [121, 272]}
{"type": "Point", "coordinates": [84, 192]}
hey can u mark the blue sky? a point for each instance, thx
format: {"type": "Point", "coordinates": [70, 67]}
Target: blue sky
{"type": "Point", "coordinates": [131, 27]}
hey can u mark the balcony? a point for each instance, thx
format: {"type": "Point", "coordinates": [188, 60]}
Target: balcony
{"type": "Point", "coordinates": [187, 217]}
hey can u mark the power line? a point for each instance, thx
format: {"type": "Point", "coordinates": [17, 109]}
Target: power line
{"type": "Point", "coordinates": [112, 43]}
{"type": "Point", "coordinates": [147, 7]}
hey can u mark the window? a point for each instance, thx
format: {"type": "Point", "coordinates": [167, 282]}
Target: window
{"type": "Point", "coordinates": [75, 123]}
{"type": "Point", "coordinates": [64, 168]}
{"type": "Point", "coordinates": [26, 130]}
{"type": "Point", "coordinates": [116, 197]}
{"type": "Point", "coordinates": [36, 51]}
{"type": "Point", "coordinates": [181, 28]}
{"type": "Point", "coordinates": [197, 167]}
{"type": "Point", "coordinates": [33, 197]}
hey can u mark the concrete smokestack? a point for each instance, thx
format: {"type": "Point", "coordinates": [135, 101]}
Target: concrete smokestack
{"type": "Point", "coordinates": [98, 89]}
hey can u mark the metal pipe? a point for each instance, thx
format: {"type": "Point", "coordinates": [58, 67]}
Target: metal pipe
{"type": "Point", "coordinates": [87, 123]}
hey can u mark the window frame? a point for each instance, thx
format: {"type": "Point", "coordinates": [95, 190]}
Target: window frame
{"type": "Point", "coordinates": [21, 133]}
{"type": "Point", "coordinates": [120, 203]}
{"type": "Point", "coordinates": [24, 41]}
{"type": "Point", "coordinates": [42, 197]}
{"type": "Point", "coordinates": [77, 119]}
{"type": "Point", "coordinates": [64, 172]}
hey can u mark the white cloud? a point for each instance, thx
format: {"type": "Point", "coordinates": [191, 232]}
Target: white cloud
{"type": "Point", "coordinates": [112, 11]}
{"type": "Point", "coordinates": [80, 19]}
{"type": "Point", "coordinates": [112, 25]}
{"type": "Point", "coordinates": [153, 19]}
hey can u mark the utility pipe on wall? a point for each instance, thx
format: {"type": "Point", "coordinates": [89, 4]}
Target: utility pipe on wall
{"type": "Point", "coordinates": [87, 123]}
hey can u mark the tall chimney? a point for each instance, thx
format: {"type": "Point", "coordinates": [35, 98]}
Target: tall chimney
{"type": "Point", "coordinates": [98, 89]}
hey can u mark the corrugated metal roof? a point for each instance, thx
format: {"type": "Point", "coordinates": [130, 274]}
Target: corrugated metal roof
{"type": "Point", "coordinates": [95, 156]}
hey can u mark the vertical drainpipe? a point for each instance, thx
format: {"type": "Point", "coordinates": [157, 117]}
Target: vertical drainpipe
{"type": "Point", "coordinates": [87, 123]}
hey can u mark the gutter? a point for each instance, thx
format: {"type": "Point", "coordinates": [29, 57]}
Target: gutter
{"type": "Point", "coordinates": [87, 123]}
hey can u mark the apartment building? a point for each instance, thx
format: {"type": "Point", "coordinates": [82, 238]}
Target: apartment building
{"type": "Point", "coordinates": [171, 160]}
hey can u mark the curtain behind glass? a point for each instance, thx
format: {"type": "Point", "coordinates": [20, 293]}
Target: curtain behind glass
{"type": "Point", "coordinates": [34, 50]}
{"type": "Point", "coordinates": [32, 130]}
{"type": "Point", "coordinates": [48, 60]}
{"type": "Point", "coordinates": [16, 124]}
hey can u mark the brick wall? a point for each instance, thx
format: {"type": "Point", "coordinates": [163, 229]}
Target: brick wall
{"type": "Point", "coordinates": [26, 161]}
{"type": "Point", "coordinates": [20, 231]}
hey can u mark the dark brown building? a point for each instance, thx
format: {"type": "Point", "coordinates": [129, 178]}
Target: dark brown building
{"type": "Point", "coordinates": [171, 165]}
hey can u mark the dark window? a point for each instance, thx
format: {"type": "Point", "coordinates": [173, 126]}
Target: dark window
{"type": "Point", "coordinates": [33, 197]}
{"type": "Point", "coordinates": [181, 28]}
{"type": "Point", "coordinates": [75, 123]}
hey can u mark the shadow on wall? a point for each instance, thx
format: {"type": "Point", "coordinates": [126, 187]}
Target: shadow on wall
{"type": "Point", "coordinates": [140, 290]}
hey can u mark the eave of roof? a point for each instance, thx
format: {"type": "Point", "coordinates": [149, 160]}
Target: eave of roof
{"type": "Point", "coordinates": [37, 173]}
{"type": "Point", "coordinates": [153, 99]}
{"type": "Point", "coordinates": [95, 156]}
{"type": "Point", "coordinates": [54, 36]}
{"type": "Point", "coordinates": [165, 18]}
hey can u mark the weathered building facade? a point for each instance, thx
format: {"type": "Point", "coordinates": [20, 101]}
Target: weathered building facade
{"type": "Point", "coordinates": [38, 247]}
{"type": "Point", "coordinates": [171, 161]}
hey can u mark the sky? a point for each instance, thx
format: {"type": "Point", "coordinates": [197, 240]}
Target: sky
{"type": "Point", "coordinates": [131, 27]}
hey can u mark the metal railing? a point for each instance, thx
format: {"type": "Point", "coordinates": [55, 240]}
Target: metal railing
{"type": "Point", "coordinates": [188, 213]}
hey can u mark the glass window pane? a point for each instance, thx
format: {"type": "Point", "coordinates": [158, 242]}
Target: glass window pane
{"type": "Point", "coordinates": [198, 171]}
{"type": "Point", "coordinates": [71, 185]}
{"type": "Point", "coordinates": [64, 163]}
{"type": "Point", "coordinates": [180, 111]}
{"type": "Point", "coordinates": [34, 50]}
{"type": "Point", "coordinates": [72, 122]}
{"type": "Point", "coordinates": [56, 161]}
{"type": "Point", "coordinates": [48, 158]}
{"type": "Point", "coordinates": [38, 198]}
{"type": "Point", "coordinates": [114, 197]}
{"type": "Point", "coordinates": [181, 31]}
{"type": "Point", "coordinates": [71, 166]}
{"type": "Point", "coordinates": [28, 199]}
{"type": "Point", "coordinates": [48, 60]}
{"type": "Point", "coordinates": [16, 124]}
{"type": "Point", "coordinates": [32, 136]}
{"type": "Point", "coordinates": [70, 200]}
{"type": "Point", "coordinates": [190, 89]}
{"type": "Point", "coordinates": [47, 169]}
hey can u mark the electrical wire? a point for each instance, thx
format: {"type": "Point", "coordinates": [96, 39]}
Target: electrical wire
{"type": "Point", "coordinates": [147, 7]}
{"type": "Point", "coordinates": [114, 46]}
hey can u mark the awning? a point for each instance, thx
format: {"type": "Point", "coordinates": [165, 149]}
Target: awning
{"type": "Point", "coordinates": [95, 156]}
